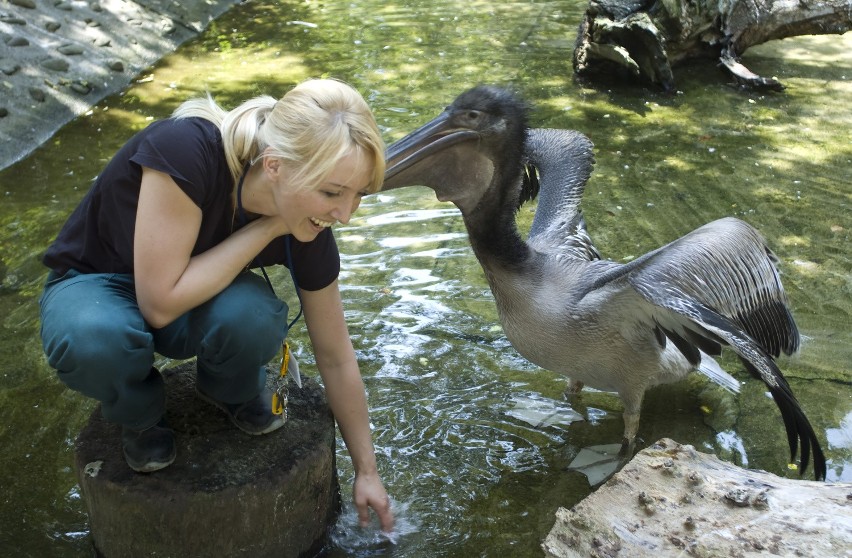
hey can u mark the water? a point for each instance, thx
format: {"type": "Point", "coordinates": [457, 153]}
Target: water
{"type": "Point", "coordinates": [470, 470]}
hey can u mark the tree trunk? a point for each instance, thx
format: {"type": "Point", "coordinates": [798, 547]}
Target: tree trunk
{"type": "Point", "coordinates": [643, 39]}
{"type": "Point", "coordinates": [227, 493]}
{"type": "Point", "coordinates": [671, 500]}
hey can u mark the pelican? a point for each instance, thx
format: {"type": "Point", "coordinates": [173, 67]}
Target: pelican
{"type": "Point", "coordinates": [615, 327]}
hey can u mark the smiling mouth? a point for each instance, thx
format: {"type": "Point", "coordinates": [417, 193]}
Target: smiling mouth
{"type": "Point", "coordinates": [323, 224]}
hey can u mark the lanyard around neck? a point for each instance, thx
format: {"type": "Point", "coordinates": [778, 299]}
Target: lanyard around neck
{"type": "Point", "coordinates": [287, 251]}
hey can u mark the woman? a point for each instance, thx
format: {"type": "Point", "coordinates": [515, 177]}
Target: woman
{"type": "Point", "coordinates": [156, 256]}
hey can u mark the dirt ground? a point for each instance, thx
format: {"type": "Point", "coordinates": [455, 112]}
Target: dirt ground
{"type": "Point", "coordinates": [60, 57]}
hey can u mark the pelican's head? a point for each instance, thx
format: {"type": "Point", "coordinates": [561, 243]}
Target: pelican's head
{"type": "Point", "coordinates": [463, 151]}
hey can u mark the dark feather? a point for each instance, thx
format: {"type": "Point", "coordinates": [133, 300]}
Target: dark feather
{"type": "Point", "coordinates": [707, 341]}
{"type": "Point", "coordinates": [686, 348]}
{"type": "Point", "coordinates": [529, 184]}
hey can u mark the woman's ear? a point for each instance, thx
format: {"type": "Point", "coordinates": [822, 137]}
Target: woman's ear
{"type": "Point", "coordinates": [272, 166]}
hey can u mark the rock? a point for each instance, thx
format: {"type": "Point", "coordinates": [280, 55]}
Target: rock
{"type": "Point", "coordinates": [9, 68]}
{"type": "Point", "coordinates": [116, 66]}
{"type": "Point", "coordinates": [56, 64]}
{"type": "Point", "coordinates": [671, 500]}
{"type": "Point", "coordinates": [29, 4]}
{"type": "Point", "coordinates": [226, 494]}
{"type": "Point", "coordinates": [37, 94]}
{"type": "Point", "coordinates": [17, 42]}
{"type": "Point", "coordinates": [70, 49]}
{"type": "Point", "coordinates": [52, 26]}
{"type": "Point", "coordinates": [81, 87]}
{"type": "Point", "coordinates": [12, 20]}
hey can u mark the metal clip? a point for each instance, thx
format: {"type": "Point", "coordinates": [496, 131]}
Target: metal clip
{"type": "Point", "coordinates": [279, 396]}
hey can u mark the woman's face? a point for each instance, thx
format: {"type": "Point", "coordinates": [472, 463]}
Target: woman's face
{"type": "Point", "coordinates": [307, 211]}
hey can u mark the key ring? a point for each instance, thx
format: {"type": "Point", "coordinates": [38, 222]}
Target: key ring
{"type": "Point", "coordinates": [279, 396]}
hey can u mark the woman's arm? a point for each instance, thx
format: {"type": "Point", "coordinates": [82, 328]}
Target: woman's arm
{"type": "Point", "coordinates": [169, 282]}
{"type": "Point", "coordinates": [345, 390]}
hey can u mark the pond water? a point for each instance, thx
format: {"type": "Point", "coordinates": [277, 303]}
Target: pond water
{"type": "Point", "coordinates": [471, 469]}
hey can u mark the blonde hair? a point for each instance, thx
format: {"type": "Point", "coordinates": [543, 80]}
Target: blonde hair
{"type": "Point", "coordinates": [310, 128]}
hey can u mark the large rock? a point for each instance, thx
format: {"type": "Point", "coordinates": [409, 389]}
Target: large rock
{"type": "Point", "coordinates": [227, 493]}
{"type": "Point", "coordinates": [671, 500]}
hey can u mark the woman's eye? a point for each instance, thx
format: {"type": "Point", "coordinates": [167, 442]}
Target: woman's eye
{"type": "Point", "coordinates": [330, 194]}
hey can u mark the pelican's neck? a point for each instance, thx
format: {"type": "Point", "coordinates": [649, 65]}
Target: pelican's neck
{"type": "Point", "coordinates": [493, 231]}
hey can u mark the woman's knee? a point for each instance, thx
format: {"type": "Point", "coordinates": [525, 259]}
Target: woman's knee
{"type": "Point", "coordinates": [92, 321]}
{"type": "Point", "coordinates": [97, 359]}
{"type": "Point", "coordinates": [100, 344]}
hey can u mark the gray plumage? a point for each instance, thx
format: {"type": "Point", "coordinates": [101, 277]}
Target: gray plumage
{"type": "Point", "coordinates": [615, 327]}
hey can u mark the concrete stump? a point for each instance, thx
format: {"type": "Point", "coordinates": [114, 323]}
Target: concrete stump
{"type": "Point", "coordinates": [227, 493]}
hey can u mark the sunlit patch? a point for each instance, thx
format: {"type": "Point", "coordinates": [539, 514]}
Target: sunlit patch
{"type": "Point", "coordinates": [409, 241]}
{"type": "Point", "coordinates": [732, 442]}
{"type": "Point", "coordinates": [408, 277]}
{"type": "Point", "coordinates": [840, 437]}
{"type": "Point", "coordinates": [539, 411]}
{"type": "Point", "coordinates": [791, 240]}
{"type": "Point", "coordinates": [395, 217]}
{"type": "Point", "coordinates": [808, 266]}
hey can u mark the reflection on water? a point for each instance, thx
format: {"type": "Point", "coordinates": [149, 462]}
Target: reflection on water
{"type": "Point", "coordinates": [474, 442]}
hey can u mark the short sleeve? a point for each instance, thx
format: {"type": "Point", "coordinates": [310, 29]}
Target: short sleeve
{"type": "Point", "coordinates": [316, 264]}
{"type": "Point", "coordinates": [187, 149]}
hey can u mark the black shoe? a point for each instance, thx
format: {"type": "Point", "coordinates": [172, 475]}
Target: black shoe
{"type": "Point", "coordinates": [255, 416]}
{"type": "Point", "coordinates": [150, 449]}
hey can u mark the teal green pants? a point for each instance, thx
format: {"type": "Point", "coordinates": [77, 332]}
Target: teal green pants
{"type": "Point", "coordinates": [100, 345]}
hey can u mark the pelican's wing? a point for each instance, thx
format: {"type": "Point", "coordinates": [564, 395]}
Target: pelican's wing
{"type": "Point", "coordinates": [719, 286]}
{"type": "Point", "coordinates": [726, 266]}
{"type": "Point", "coordinates": [563, 160]}
{"type": "Point", "coordinates": [707, 326]}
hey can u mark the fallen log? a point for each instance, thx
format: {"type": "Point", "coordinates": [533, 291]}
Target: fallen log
{"type": "Point", "coordinates": [642, 40]}
{"type": "Point", "coordinates": [671, 500]}
{"type": "Point", "coordinates": [227, 493]}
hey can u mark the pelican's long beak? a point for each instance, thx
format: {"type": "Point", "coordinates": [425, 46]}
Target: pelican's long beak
{"type": "Point", "coordinates": [432, 137]}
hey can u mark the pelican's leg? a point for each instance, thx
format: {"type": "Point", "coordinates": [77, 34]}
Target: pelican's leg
{"type": "Point", "coordinates": [632, 407]}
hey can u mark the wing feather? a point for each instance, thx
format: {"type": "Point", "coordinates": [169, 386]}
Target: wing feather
{"type": "Point", "coordinates": [727, 267]}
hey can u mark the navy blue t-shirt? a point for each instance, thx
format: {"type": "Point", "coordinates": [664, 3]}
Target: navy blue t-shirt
{"type": "Point", "coordinates": [98, 236]}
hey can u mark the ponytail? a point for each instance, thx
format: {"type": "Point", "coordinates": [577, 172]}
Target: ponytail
{"type": "Point", "coordinates": [239, 127]}
{"type": "Point", "coordinates": [240, 132]}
